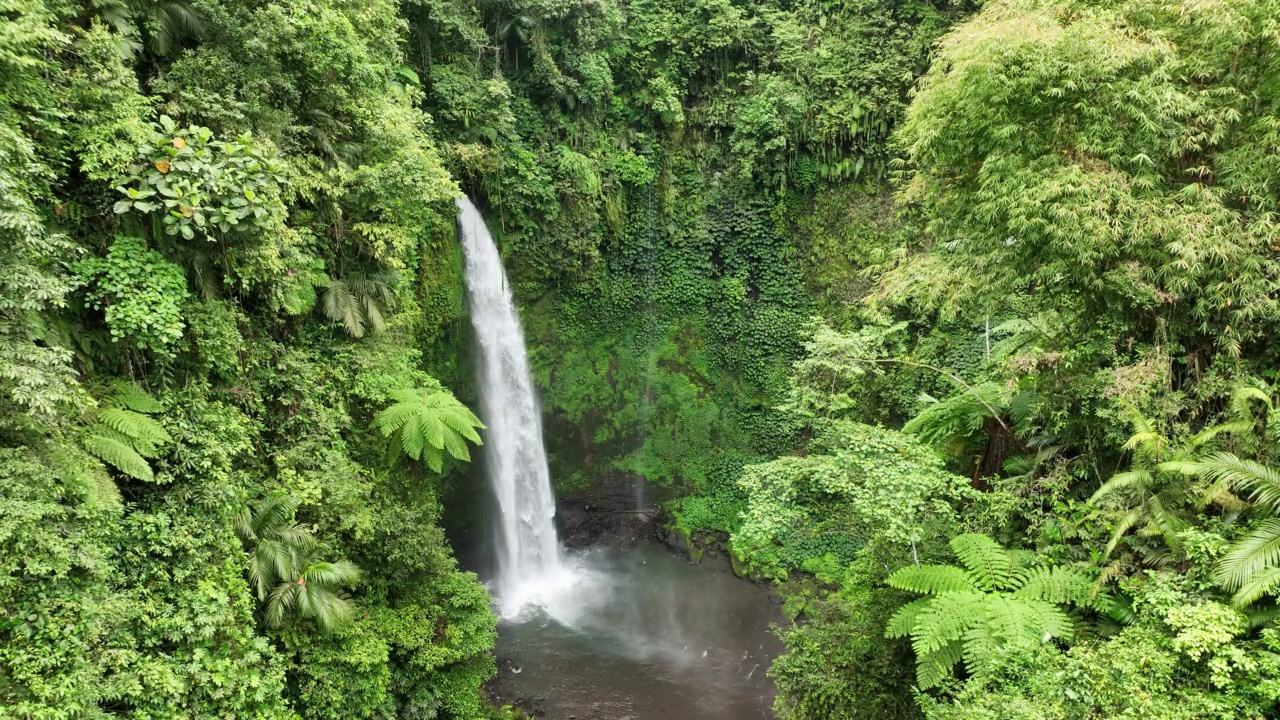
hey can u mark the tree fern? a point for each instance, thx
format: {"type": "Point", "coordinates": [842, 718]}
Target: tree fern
{"type": "Point", "coordinates": [932, 579]}
{"type": "Point", "coordinates": [971, 613]}
{"type": "Point", "coordinates": [426, 424]}
{"type": "Point", "coordinates": [990, 567]}
{"type": "Point", "coordinates": [124, 435]}
{"type": "Point", "coordinates": [119, 455]}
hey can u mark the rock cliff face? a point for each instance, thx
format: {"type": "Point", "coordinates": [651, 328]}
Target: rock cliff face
{"type": "Point", "coordinates": [612, 511]}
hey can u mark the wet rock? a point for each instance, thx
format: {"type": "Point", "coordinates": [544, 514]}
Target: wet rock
{"type": "Point", "coordinates": [677, 540]}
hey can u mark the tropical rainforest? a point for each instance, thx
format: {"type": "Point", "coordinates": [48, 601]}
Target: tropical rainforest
{"type": "Point", "coordinates": [955, 319]}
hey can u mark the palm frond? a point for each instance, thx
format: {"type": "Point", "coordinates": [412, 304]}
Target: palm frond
{"type": "Point", "coordinates": [1139, 479]}
{"type": "Point", "coordinates": [1250, 556]}
{"type": "Point", "coordinates": [1257, 587]}
{"type": "Point", "coordinates": [1262, 483]}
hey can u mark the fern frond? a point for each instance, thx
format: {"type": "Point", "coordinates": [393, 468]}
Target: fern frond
{"type": "Point", "coordinates": [390, 421]}
{"type": "Point", "coordinates": [1022, 559]}
{"type": "Point", "coordinates": [935, 667]}
{"type": "Point", "coordinates": [412, 439]}
{"type": "Point", "coordinates": [119, 455]}
{"type": "Point", "coordinates": [959, 415]}
{"type": "Point", "coordinates": [1057, 585]}
{"type": "Point", "coordinates": [454, 445]}
{"type": "Point", "coordinates": [980, 646]}
{"type": "Point", "coordinates": [945, 620]}
{"type": "Point", "coordinates": [145, 432]}
{"type": "Point", "coordinates": [1016, 621]}
{"type": "Point", "coordinates": [433, 458]}
{"type": "Point", "coordinates": [931, 579]}
{"type": "Point", "coordinates": [990, 567]}
{"type": "Point", "coordinates": [129, 396]}
{"type": "Point", "coordinates": [461, 420]}
{"type": "Point", "coordinates": [904, 620]}
{"type": "Point", "coordinates": [1049, 619]}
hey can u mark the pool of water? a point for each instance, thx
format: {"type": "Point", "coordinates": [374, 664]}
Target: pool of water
{"type": "Point", "coordinates": [643, 635]}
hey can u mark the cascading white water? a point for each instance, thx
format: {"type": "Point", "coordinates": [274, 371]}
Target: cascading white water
{"type": "Point", "coordinates": [529, 563]}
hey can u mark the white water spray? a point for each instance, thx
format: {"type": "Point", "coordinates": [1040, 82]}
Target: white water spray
{"type": "Point", "coordinates": [530, 571]}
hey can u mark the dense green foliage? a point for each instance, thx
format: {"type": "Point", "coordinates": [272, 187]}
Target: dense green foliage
{"type": "Point", "coordinates": [868, 288]}
{"type": "Point", "coordinates": [198, 518]}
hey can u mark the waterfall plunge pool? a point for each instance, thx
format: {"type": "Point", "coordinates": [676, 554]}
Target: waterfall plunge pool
{"type": "Point", "coordinates": [643, 635]}
{"type": "Point", "coordinates": [605, 633]}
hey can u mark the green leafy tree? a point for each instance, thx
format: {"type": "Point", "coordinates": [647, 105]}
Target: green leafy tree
{"type": "Point", "coordinates": [125, 435]}
{"type": "Point", "coordinates": [972, 612]}
{"type": "Point", "coordinates": [195, 185]}
{"type": "Point", "coordinates": [427, 423]}
{"type": "Point", "coordinates": [287, 569]}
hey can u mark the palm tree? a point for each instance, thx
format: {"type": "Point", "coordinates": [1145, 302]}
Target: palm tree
{"type": "Point", "coordinates": [286, 568]}
{"type": "Point", "coordinates": [359, 301]}
{"type": "Point", "coordinates": [1251, 567]}
{"type": "Point", "coordinates": [310, 588]}
{"type": "Point", "coordinates": [1150, 495]}
{"type": "Point", "coordinates": [163, 23]}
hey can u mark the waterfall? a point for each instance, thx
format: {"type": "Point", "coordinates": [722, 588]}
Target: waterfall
{"type": "Point", "coordinates": [528, 551]}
